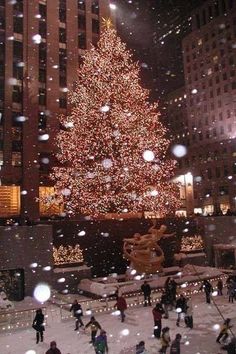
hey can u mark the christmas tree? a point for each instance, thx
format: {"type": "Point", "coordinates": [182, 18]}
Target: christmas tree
{"type": "Point", "coordinates": [113, 148]}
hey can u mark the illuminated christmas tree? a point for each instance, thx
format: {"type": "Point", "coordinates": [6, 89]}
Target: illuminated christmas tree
{"type": "Point", "coordinates": [113, 148]}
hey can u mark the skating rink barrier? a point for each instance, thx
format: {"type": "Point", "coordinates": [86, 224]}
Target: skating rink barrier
{"type": "Point", "coordinates": [18, 319]}
{"type": "Point", "coordinates": [92, 307]}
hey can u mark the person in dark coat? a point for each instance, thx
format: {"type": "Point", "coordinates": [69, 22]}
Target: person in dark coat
{"type": "Point", "coordinates": [230, 347]}
{"type": "Point", "coordinates": [173, 290]}
{"type": "Point", "coordinates": [165, 301]}
{"type": "Point", "coordinates": [224, 332]}
{"type": "Point", "coordinates": [38, 325]}
{"type": "Point", "coordinates": [181, 307]}
{"type": "Point", "coordinates": [53, 348]}
{"type": "Point", "coordinates": [146, 289]}
{"type": "Point", "coordinates": [208, 290]}
{"type": "Point", "coordinates": [220, 287]}
{"type": "Point", "coordinates": [94, 326]}
{"type": "Point", "coordinates": [116, 293]}
{"type": "Point", "coordinates": [168, 292]}
{"type": "Point", "coordinates": [140, 348]}
{"type": "Point", "coordinates": [121, 306]}
{"type": "Point", "coordinates": [100, 344]}
{"type": "Point", "coordinates": [78, 313]}
{"type": "Point", "coordinates": [157, 312]}
{"type": "Point", "coordinates": [175, 346]}
{"type": "Point", "coordinates": [167, 283]}
{"type": "Point", "coordinates": [170, 289]}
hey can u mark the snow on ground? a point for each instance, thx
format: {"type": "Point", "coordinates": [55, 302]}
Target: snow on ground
{"type": "Point", "coordinates": [139, 323]}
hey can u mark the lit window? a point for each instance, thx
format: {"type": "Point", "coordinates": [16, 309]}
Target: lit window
{"type": "Point", "coordinates": [9, 201]}
{"type": "Point", "coordinates": [16, 158]}
{"type": "Point", "coordinates": [199, 42]}
{"type": "Point", "coordinates": [48, 205]}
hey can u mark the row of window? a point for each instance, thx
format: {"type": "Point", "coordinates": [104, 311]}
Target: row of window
{"type": "Point", "coordinates": [220, 7]}
{"type": "Point", "coordinates": [210, 94]}
{"type": "Point", "coordinates": [211, 133]}
{"type": "Point", "coordinates": [18, 22]}
{"type": "Point", "coordinates": [222, 32]}
{"type": "Point", "coordinates": [16, 158]}
{"type": "Point", "coordinates": [208, 49]}
{"type": "Point", "coordinates": [208, 71]}
{"type": "Point", "coordinates": [222, 52]}
{"type": "Point", "coordinates": [210, 120]}
{"type": "Point", "coordinates": [208, 192]}
{"type": "Point", "coordinates": [10, 197]}
{"type": "Point", "coordinates": [94, 6]}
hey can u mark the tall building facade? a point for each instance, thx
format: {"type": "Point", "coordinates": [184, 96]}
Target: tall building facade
{"type": "Point", "coordinates": [154, 31]}
{"type": "Point", "coordinates": [209, 54]}
{"type": "Point", "coordinates": [41, 45]}
{"type": "Point", "coordinates": [176, 122]}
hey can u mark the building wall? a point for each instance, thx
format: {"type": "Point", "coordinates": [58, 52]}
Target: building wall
{"type": "Point", "coordinates": [210, 84]}
{"type": "Point", "coordinates": [176, 115]}
{"type": "Point", "coordinates": [21, 246]}
{"type": "Point", "coordinates": [217, 230]}
{"type": "Point", "coordinates": [41, 44]}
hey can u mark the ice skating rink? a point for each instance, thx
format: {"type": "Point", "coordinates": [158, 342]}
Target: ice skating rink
{"type": "Point", "coordinates": [122, 337]}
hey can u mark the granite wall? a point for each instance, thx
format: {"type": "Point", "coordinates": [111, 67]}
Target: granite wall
{"type": "Point", "coordinates": [21, 247]}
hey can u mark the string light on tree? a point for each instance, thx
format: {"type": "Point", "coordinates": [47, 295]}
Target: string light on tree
{"type": "Point", "coordinates": [192, 243]}
{"type": "Point", "coordinates": [111, 139]}
{"type": "Point", "coordinates": [67, 255]}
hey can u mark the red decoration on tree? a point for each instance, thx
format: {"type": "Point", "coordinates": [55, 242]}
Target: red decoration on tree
{"type": "Point", "coordinates": [113, 150]}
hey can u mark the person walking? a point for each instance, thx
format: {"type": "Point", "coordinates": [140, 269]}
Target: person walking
{"type": "Point", "coordinates": [181, 305]}
{"type": "Point", "coordinates": [78, 313]}
{"type": "Point", "coordinates": [189, 313]}
{"type": "Point", "coordinates": [165, 302]}
{"type": "Point", "coordinates": [224, 333]}
{"type": "Point", "coordinates": [165, 340]}
{"type": "Point", "coordinates": [121, 305]}
{"type": "Point", "coordinates": [208, 290]}
{"type": "Point", "coordinates": [173, 290]}
{"type": "Point", "coordinates": [166, 285]}
{"type": "Point", "coordinates": [220, 287]}
{"type": "Point", "coordinates": [94, 326]}
{"type": "Point", "coordinates": [53, 348]}
{"type": "Point", "coordinates": [175, 345]}
{"type": "Point", "coordinates": [231, 291]}
{"type": "Point", "coordinates": [100, 344]}
{"type": "Point", "coordinates": [38, 325]}
{"type": "Point", "coordinates": [157, 317]}
{"type": "Point", "coordinates": [146, 289]}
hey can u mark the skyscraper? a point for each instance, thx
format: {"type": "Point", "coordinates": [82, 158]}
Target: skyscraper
{"type": "Point", "coordinates": [41, 46]}
{"type": "Point", "coordinates": [210, 86]}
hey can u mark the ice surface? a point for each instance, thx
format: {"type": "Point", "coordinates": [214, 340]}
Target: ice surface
{"type": "Point", "coordinates": [139, 323]}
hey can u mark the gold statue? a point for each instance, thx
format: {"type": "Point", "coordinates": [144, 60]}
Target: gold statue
{"type": "Point", "coordinates": [145, 254]}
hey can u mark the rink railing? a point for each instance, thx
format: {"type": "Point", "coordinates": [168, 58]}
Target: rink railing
{"type": "Point", "coordinates": [106, 304]}
{"type": "Point", "coordinates": [20, 319]}
{"type": "Point", "coordinates": [17, 319]}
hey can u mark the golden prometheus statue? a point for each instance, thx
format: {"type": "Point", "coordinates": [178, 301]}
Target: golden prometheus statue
{"type": "Point", "coordinates": [143, 251]}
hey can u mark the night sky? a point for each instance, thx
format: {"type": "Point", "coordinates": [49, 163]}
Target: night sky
{"type": "Point", "coordinates": [153, 30]}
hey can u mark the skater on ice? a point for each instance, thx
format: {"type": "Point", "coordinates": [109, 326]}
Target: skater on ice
{"type": "Point", "coordinates": [38, 325]}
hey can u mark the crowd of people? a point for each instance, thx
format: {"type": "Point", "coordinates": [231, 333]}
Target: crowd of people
{"type": "Point", "coordinates": [169, 301]}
